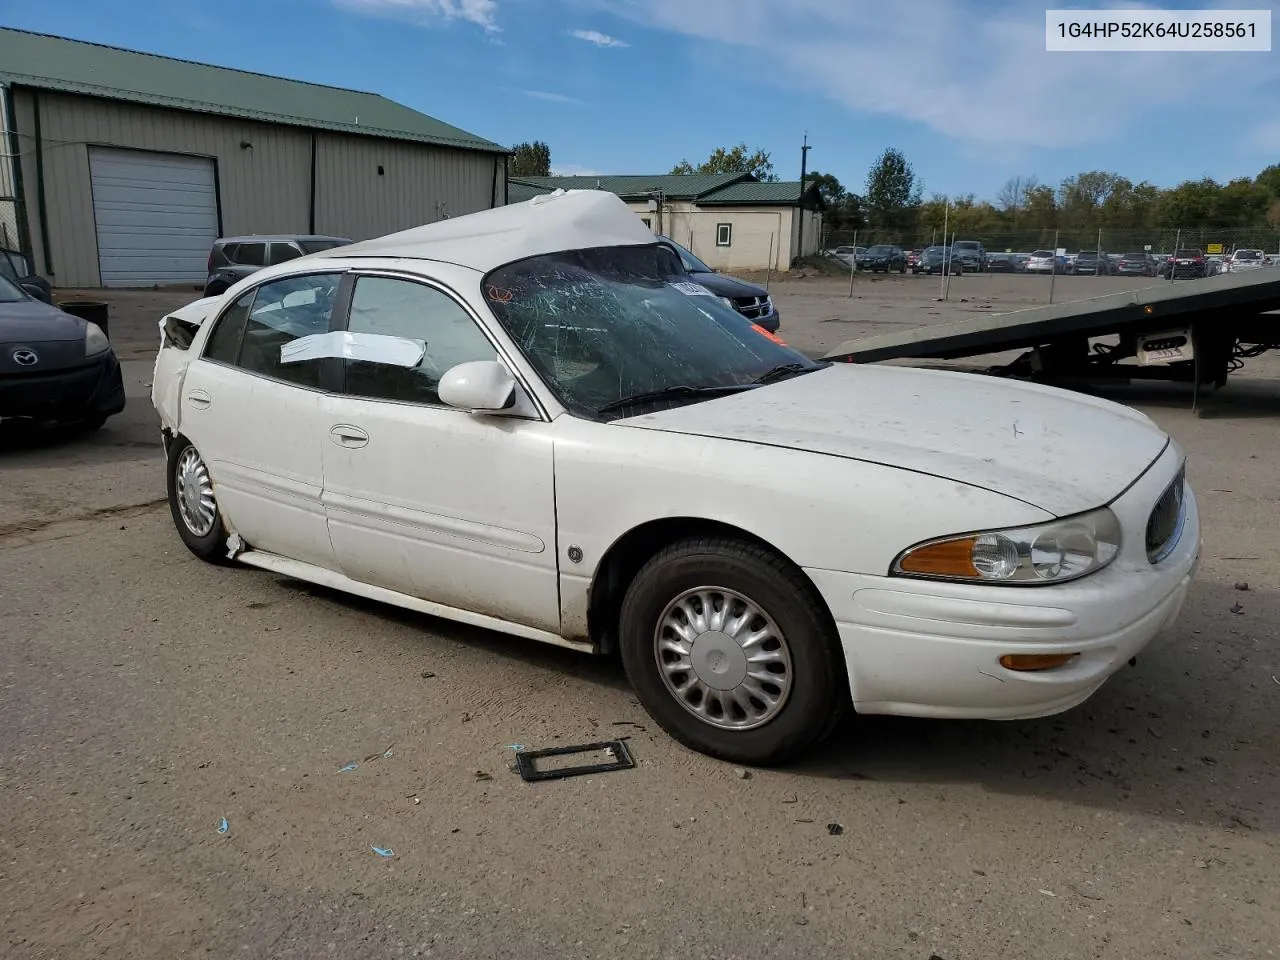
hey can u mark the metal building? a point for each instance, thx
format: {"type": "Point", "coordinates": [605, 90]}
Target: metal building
{"type": "Point", "coordinates": [120, 168]}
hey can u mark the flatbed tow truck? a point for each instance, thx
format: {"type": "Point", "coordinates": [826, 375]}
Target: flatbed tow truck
{"type": "Point", "coordinates": [1192, 331]}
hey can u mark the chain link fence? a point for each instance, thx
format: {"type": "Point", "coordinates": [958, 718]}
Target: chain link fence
{"type": "Point", "coordinates": [9, 237]}
{"type": "Point", "coordinates": [1212, 240]}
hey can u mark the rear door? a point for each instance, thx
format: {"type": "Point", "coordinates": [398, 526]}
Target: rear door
{"type": "Point", "coordinates": [260, 420]}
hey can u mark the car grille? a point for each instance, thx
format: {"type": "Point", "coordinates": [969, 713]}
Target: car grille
{"type": "Point", "coordinates": [1164, 528]}
{"type": "Point", "coordinates": [753, 308]}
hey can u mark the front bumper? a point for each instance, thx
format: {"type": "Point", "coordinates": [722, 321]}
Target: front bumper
{"type": "Point", "coordinates": [95, 389]}
{"type": "Point", "coordinates": [932, 649]}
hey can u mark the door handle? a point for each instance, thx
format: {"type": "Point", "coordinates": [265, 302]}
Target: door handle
{"type": "Point", "coordinates": [345, 435]}
{"type": "Point", "coordinates": [199, 399]}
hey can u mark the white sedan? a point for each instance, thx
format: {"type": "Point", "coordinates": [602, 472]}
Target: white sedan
{"type": "Point", "coordinates": [531, 420]}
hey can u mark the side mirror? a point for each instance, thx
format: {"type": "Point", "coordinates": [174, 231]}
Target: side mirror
{"type": "Point", "coordinates": [35, 290]}
{"type": "Point", "coordinates": [481, 386]}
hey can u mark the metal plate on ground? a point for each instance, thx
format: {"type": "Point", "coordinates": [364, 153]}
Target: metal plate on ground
{"type": "Point", "coordinates": [527, 761]}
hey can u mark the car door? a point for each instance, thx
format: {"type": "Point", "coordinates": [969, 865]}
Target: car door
{"type": "Point", "coordinates": [426, 499]}
{"type": "Point", "coordinates": [260, 421]}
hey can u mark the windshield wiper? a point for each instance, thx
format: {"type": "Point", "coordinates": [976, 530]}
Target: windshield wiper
{"type": "Point", "coordinates": [677, 392]}
{"type": "Point", "coordinates": [783, 372]}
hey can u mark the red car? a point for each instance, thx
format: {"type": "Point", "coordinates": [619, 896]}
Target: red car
{"type": "Point", "coordinates": [913, 261]}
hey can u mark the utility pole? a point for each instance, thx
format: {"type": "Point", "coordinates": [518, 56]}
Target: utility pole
{"type": "Point", "coordinates": [804, 172]}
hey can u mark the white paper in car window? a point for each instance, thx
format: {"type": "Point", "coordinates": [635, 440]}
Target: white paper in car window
{"type": "Point", "coordinates": [692, 289]}
{"type": "Point", "coordinates": [344, 345]}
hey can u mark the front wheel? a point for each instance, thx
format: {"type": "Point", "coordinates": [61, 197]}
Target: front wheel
{"type": "Point", "coordinates": [193, 505]}
{"type": "Point", "coordinates": [730, 651]}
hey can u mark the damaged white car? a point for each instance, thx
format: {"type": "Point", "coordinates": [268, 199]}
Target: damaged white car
{"type": "Point", "coordinates": [531, 420]}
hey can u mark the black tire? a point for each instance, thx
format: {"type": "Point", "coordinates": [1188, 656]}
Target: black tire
{"type": "Point", "coordinates": [818, 697]}
{"type": "Point", "coordinates": [210, 547]}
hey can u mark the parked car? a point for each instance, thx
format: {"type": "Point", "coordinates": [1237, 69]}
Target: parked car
{"type": "Point", "coordinates": [16, 267]}
{"type": "Point", "coordinates": [883, 258]}
{"type": "Point", "coordinates": [1043, 261]}
{"type": "Point", "coordinates": [1188, 264]}
{"type": "Point", "coordinates": [1139, 264]}
{"type": "Point", "coordinates": [1091, 263]}
{"type": "Point", "coordinates": [1003, 263]}
{"type": "Point", "coordinates": [535, 426]}
{"type": "Point", "coordinates": [848, 254]}
{"type": "Point", "coordinates": [750, 300]}
{"type": "Point", "coordinates": [936, 259]}
{"type": "Point", "coordinates": [1214, 264]}
{"type": "Point", "coordinates": [54, 366]}
{"type": "Point", "coordinates": [234, 258]}
{"type": "Point", "coordinates": [1245, 259]}
{"type": "Point", "coordinates": [913, 261]}
{"type": "Point", "coordinates": [972, 255]}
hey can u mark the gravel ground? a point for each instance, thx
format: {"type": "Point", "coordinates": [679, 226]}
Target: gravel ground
{"type": "Point", "coordinates": [144, 696]}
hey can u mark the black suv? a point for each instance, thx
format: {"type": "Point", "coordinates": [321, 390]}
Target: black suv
{"type": "Point", "coordinates": [1092, 263]}
{"type": "Point", "coordinates": [971, 254]}
{"type": "Point", "coordinates": [883, 257]}
{"type": "Point", "coordinates": [751, 301]}
{"type": "Point", "coordinates": [234, 258]}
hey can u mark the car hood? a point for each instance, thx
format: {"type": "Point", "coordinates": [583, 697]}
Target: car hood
{"type": "Point", "coordinates": [30, 321]}
{"type": "Point", "coordinates": [725, 286]}
{"type": "Point", "coordinates": [1062, 452]}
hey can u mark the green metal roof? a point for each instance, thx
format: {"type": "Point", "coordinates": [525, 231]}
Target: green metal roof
{"type": "Point", "coordinates": [706, 189]}
{"type": "Point", "coordinates": [753, 193]}
{"type": "Point", "coordinates": [91, 69]}
{"type": "Point", "coordinates": [675, 186]}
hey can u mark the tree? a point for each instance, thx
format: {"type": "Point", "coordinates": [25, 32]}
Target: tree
{"type": "Point", "coordinates": [832, 190]}
{"type": "Point", "coordinates": [1012, 198]}
{"type": "Point", "coordinates": [893, 193]}
{"type": "Point", "coordinates": [843, 209]}
{"type": "Point", "coordinates": [530, 160]}
{"type": "Point", "coordinates": [739, 159]}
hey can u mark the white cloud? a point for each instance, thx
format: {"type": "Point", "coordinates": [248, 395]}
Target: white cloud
{"type": "Point", "coordinates": [552, 97]}
{"type": "Point", "coordinates": [598, 38]}
{"type": "Point", "coordinates": [972, 70]}
{"type": "Point", "coordinates": [573, 170]}
{"type": "Point", "coordinates": [483, 13]}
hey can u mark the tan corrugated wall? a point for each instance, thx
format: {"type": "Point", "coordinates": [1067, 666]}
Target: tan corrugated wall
{"type": "Point", "coordinates": [417, 185]}
{"type": "Point", "coordinates": [262, 189]}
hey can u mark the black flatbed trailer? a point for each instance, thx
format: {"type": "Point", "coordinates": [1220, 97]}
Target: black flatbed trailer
{"type": "Point", "coordinates": [1196, 331]}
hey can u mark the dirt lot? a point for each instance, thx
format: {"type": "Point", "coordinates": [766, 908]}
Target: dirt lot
{"type": "Point", "coordinates": [144, 696]}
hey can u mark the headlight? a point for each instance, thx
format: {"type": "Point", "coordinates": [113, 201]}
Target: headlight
{"type": "Point", "coordinates": [1028, 556]}
{"type": "Point", "coordinates": [95, 341]}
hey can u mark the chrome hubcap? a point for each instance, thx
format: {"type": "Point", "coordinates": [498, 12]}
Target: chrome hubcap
{"type": "Point", "coordinates": [723, 658]}
{"type": "Point", "coordinates": [196, 505]}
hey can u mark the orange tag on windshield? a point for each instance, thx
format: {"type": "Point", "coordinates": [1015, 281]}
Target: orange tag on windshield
{"type": "Point", "coordinates": [772, 336]}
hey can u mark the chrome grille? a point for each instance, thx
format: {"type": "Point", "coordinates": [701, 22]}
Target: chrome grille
{"type": "Point", "coordinates": [1164, 527]}
{"type": "Point", "coordinates": [753, 307]}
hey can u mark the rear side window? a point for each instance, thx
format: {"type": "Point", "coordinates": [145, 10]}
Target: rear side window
{"type": "Point", "coordinates": [224, 343]}
{"type": "Point", "coordinates": [283, 253]}
{"type": "Point", "coordinates": [316, 246]}
{"type": "Point", "coordinates": [6, 267]}
{"type": "Point", "coordinates": [283, 311]}
{"type": "Point", "coordinates": [251, 254]}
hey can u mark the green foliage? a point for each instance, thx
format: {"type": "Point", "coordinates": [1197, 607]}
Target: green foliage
{"type": "Point", "coordinates": [530, 160]}
{"type": "Point", "coordinates": [739, 159]}
{"type": "Point", "coordinates": [893, 192]}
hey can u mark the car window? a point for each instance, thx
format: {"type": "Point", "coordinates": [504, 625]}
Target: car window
{"type": "Point", "coordinates": [250, 254]}
{"type": "Point", "coordinates": [414, 311]}
{"type": "Point", "coordinates": [284, 310]}
{"type": "Point", "coordinates": [223, 344]}
{"type": "Point", "coordinates": [282, 253]}
{"type": "Point", "coordinates": [1247, 255]}
{"type": "Point", "coordinates": [6, 267]}
{"type": "Point", "coordinates": [10, 292]}
{"type": "Point", "coordinates": [316, 246]}
{"type": "Point", "coordinates": [613, 331]}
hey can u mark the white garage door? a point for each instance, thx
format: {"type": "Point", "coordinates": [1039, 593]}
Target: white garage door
{"type": "Point", "coordinates": [157, 216]}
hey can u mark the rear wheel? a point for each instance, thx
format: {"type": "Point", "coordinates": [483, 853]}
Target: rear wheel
{"type": "Point", "coordinates": [730, 651]}
{"type": "Point", "coordinates": [193, 505]}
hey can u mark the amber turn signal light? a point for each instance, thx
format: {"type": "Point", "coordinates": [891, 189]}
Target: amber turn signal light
{"type": "Point", "coordinates": [950, 558]}
{"type": "Point", "coordinates": [1036, 661]}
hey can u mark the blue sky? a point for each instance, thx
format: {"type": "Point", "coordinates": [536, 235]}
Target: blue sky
{"type": "Point", "coordinates": [963, 87]}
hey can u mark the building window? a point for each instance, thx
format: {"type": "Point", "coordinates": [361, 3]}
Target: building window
{"type": "Point", "coordinates": [724, 234]}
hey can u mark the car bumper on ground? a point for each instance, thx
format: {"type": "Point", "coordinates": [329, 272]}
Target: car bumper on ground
{"type": "Point", "coordinates": [95, 389]}
{"type": "Point", "coordinates": [933, 649]}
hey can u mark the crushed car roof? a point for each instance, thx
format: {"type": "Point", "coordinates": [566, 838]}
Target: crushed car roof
{"type": "Point", "coordinates": [554, 222]}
